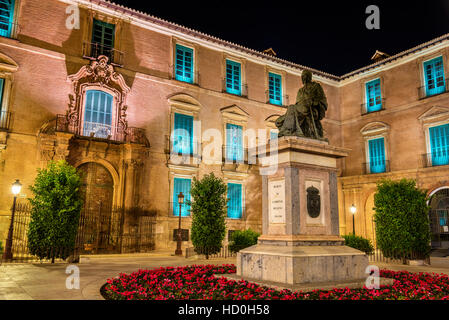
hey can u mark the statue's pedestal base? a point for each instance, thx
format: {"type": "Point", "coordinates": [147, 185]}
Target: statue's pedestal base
{"type": "Point", "coordinates": [302, 262]}
{"type": "Point", "coordinates": [301, 243]}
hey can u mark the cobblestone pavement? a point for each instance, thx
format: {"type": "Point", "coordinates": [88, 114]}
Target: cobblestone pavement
{"type": "Point", "coordinates": [48, 282]}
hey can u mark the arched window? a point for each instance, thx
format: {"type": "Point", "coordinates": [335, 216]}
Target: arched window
{"type": "Point", "coordinates": [98, 114]}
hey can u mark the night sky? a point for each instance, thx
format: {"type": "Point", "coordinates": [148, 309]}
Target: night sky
{"type": "Point", "coordinates": [327, 35]}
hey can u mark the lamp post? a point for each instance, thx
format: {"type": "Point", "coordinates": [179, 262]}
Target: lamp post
{"type": "Point", "coordinates": [353, 211]}
{"type": "Point", "coordinates": [16, 188]}
{"type": "Point", "coordinates": [178, 251]}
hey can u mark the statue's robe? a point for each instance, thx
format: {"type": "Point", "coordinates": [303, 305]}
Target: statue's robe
{"type": "Point", "coordinates": [299, 119]}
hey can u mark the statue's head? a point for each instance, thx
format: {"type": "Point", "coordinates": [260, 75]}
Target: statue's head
{"type": "Point", "coordinates": [306, 76]}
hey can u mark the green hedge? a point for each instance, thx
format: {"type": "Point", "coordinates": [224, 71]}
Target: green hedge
{"type": "Point", "coordinates": [243, 239]}
{"type": "Point", "coordinates": [1, 247]}
{"type": "Point", "coordinates": [402, 220]}
{"type": "Point", "coordinates": [359, 243]}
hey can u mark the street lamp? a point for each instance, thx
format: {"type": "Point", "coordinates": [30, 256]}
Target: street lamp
{"type": "Point", "coordinates": [16, 188]}
{"type": "Point", "coordinates": [353, 211]}
{"type": "Point", "coordinates": [178, 251]}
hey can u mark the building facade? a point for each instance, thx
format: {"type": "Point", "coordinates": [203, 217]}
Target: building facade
{"type": "Point", "coordinates": [142, 106]}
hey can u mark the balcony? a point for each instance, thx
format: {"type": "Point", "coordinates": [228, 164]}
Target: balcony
{"type": "Point", "coordinates": [436, 159]}
{"type": "Point", "coordinates": [424, 92]}
{"type": "Point", "coordinates": [382, 166]}
{"type": "Point", "coordinates": [242, 91]}
{"type": "Point", "coordinates": [5, 121]}
{"type": "Point", "coordinates": [378, 108]}
{"type": "Point", "coordinates": [92, 51]}
{"type": "Point", "coordinates": [232, 155]}
{"type": "Point", "coordinates": [194, 80]}
{"type": "Point", "coordinates": [285, 100]}
{"type": "Point", "coordinates": [101, 132]}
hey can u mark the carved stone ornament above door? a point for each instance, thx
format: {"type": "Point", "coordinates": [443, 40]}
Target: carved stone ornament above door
{"type": "Point", "coordinates": [98, 75]}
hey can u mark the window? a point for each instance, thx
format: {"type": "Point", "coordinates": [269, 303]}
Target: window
{"type": "Point", "coordinates": [434, 76]}
{"type": "Point", "coordinates": [6, 17]}
{"type": "Point", "coordinates": [439, 145]}
{"type": "Point", "coordinates": [233, 77]}
{"type": "Point", "coordinates": [234, 139]}
{"type": "Point", "coordinates": [98, 114]}
{"type": "Point", "coordinates": [184, 64]}
{"type": "Point", "coordinates": [235, 201]}
{"type": "Point", "coordinates": [2, 84]}
{"type": "Point", "coordinates": [274, 135]}
{"type": "Point", "coordinates": [181, 185]}
{"type": "Point", "coordinates": [373, 96]}
{"type": "Point", "coordinates": [183, 134]}
{"type": "Point", "coordinates": [377, 162]}
{"type": "Point", "coordinates": [275, 88]}
{"type": "Point", "coordinates": [103, 35]}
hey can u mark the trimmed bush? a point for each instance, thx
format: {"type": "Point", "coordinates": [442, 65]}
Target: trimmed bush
{"type": "Point", "coordinates": [208, 214]}
{"type": "Point", "coordinates": [1, 247]}
{"type": "Point", "coordinates": [243, 239]}
{"type": "Point", "coordinates": [402, 220]}
{"type": "Point", "coordinates": [359, 243]}
{"type": "Point", "coordinates": [55, 212]}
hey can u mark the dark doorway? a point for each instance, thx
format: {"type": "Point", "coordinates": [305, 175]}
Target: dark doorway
{"type": "Point", "coordinates": [439, 219]}
{"type": "Point", "coordinates": [100, 225]}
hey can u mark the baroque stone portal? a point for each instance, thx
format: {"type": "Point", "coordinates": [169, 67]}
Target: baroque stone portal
{"type": "Point", "coordinates": [303, 119]}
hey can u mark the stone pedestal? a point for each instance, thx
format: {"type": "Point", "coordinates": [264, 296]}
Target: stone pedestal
{"type": "Point", "coordinates": [300, 244]}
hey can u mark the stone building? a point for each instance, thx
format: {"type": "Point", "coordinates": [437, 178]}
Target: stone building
{"type": "Point", "coordinates": [133, 101]}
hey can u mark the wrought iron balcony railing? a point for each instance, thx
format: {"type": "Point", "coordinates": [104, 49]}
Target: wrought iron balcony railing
{"type": "Point", "coordinates": [194, 77]}
{"type": "Point", "coordinates": [241, 91]}
{"type": "Point", "coordinates": [94, 50]}
{"type": "Point", "coordinates": [426, 92]}
{"type": "Point", "coordinates": [285, 100]}
{"type": "Point", "coordinates": [435, 159]}
{"type": "Point", "coordinates": [101, 132]}
{"type": "Point", "coordinates": [382, 166]}
{"type": "Point", "coordinates": [235, 155]}
{"type": "Point", "coordinates": [5, 121]}
{"type": "Point", "coordinates": [377, 108]}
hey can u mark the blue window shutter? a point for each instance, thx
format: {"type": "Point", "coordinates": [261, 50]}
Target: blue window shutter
{"type": "Point", "coordinates": [439, 144]}
{"type": "Point", "coordinates": [377, 155]}
{"type": "Point", "coordinates": [234, 140]}
{"type": "Point", "coordinates": [233, 77]}
{"type": "Point", "coordinates": [235, 210]}
{"type": "Point", "coordinates": [274, 135]}
{"type": "Point", "coordinates": [434, 76]}
{"type": "Point", "coordinates": [181, 185]}
{"type": "Point", "coordinates": [275, 88]}
{"type": "Point", "coordinates": [373, 96]}
{"type": "Point", "coordinates": [184, 64]}
{"type": "Point", "coordinates": [183, 134]}
{"type": "Point", "coordinates": [6, 17]}
{"type": "Point", "coordinates": [98, 114]}
{"type": "Point", "coordinates": [2, 84]}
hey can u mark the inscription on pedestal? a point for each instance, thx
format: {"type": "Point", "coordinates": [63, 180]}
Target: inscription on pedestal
{"type": "Point", "coordinates": [276, 197]}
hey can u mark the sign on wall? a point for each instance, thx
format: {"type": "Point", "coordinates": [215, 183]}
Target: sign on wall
{"type": "Point", "coordinates": [276, 199]}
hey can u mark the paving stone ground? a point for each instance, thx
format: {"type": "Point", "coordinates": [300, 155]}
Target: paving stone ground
{"type": "Point", "coordinates": [48, 282]}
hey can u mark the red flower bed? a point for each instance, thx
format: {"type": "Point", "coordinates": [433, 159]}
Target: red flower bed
{"type": "Point", "coordinates": [199, 283]}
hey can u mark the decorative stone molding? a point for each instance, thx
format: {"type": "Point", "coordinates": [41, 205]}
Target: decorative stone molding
{"type": "Point", "coordinates": [434, 115]}
{"type": "Point", "coordinates": [98, 75]}
{"type": "Point", "coordinates": [374, 129]}
{"type": "Point", "coordinates": [235, 114]}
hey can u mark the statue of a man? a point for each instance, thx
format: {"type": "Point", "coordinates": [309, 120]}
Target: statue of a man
{"type": "Point", "coordinates": [303, 119]}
